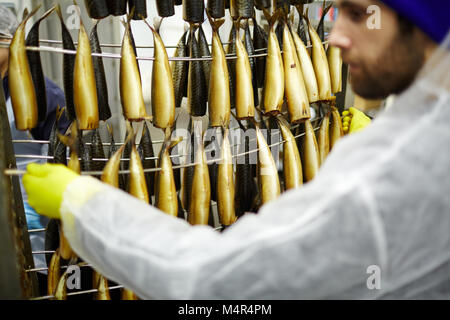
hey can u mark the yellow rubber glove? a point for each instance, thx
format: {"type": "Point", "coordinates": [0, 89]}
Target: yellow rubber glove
{"type": "Point", "coordinates": [45, 185]}
{"type": "Point", "coordinates": [354, 120]}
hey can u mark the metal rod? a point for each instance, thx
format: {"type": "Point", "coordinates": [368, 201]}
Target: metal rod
{"type": "Point", "coordinates": [99, 173]}
{"type": "Point", "coordinates": [35, 230]}
{"type": "Point", "coordinates": [118, 56]}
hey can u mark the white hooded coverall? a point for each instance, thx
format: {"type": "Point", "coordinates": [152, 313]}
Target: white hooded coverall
{"type": "Point", "coordinates": [379, 207]}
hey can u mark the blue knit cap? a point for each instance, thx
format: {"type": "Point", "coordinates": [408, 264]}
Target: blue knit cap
{"type": "Point", "coordinates": [431, 16]}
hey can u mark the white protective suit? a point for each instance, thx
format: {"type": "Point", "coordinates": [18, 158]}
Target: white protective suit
{"type": "Point", "coordinates": [380, 202]}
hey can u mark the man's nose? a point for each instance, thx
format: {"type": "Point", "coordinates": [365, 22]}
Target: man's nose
{"type": "Point", "coordinates": [338, 37]}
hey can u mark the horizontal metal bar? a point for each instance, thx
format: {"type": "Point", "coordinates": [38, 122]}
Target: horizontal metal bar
{"type": "Point", "coordinates": [118, 56]}
{"type": "Point", "coordinates": [99, 173]}
{"type": "Point", "coordinates": [36, 230]}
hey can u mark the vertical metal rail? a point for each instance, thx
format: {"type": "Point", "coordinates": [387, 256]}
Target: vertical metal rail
{"type": "Point", "coordinates": [15, 247]}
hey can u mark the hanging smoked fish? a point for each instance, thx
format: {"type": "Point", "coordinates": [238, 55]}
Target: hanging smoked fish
{"type": "Point", "coordinates": [307, 69]}
{"type": "Point", "coordinates": [20, 81]}
{"type": "Point", "coordinates": [292, 165]}
{"type": "Point", "coordinates": [68, 67]}
{"type": "Point", "coordinates": [180, 70]}
{"type": "Point", "coordinates": [165, 8]}
{"type": "Point", "coordinates": [166, 198]}
{"type": "Point", "coordinates": [104, 110]}
{"type": "Point", "coordinates": [273, 94]}
{"type": "Point", "coordinates": [336, 130]}
{"type": "Point", "coordinates": [323, 139]}
{"type": "Point", "coordinates": [204, 52]}
{"type": "Point", "coordinates": [193, 11]}
{"type": "Point", "coordinates": [117, 7]}
{"type": "Point", "coordinates": [201, 192]}
{"type": "Point", "coordinates": [268, 181]}
{"type": "Point", "coordinates": [53, 138]}
{"type": "Point", "coordinates": [188, 172]}
{"type": "Point", "coordinates": [84, 88]}
{"type": "Point", "coordinates": [295, 90]}
{"type": "Point", "coordinates": [310, 153]}
{"type": "Point", "coordinates": [197, 94]}
{"type": "Point", "coordinates": [139, 7]}
{"type": "Point", "coordinates": [320, 27]}
{"type": "Point", "coordinates": [231, 50]}
{"type": "Point", "coordinates": [34, 60]}
{"type": "Point", "coordinates": [219, 84]}
{"type": "Point", "coordinates": [245, 105]}
{"type": "Point", "coordinates": [320, 63]}
{"type": "Point", "coordinates": [225, 184]}
{"type": "Point", "coordinates": [251, 52]}
{"type": "Point", "coordinates": [97, 9]}
{"type": "Point", "coordinates": [216, 8]}
{"type": "Point", "coordinates": [262, 4]}
{"type": "Point", "coordinates": [260, 46]}
{"type": "Point", "coordinates": [335, 65]}
{"type": "Point", "coordinates": [148, 161]}
{"type": "Point", "coordinates": [130, 80]}
{"type": "Point", "coordinates": [246, 188]}
{"type": "Point", "coordinates": [241, 9]}
{"type": "Point", "coordinates": [163, 97]}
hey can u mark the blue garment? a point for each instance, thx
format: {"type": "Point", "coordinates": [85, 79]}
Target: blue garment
{"type": "Point", "coordinates": [55, 97]}
{"type": "Point", "coordinates": [431, 16]}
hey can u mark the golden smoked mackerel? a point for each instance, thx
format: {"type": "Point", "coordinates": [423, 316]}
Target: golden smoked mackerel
{"type": "Point", "coordinates": [245, 105]}
{"type": "Point", "coordinates": [201, 192]}
{"type": "Point", "coordinates": [137, 183]}
{"type": "Point", "coordinates": [84, 87]}
{"type": "Point", "coordinates": [295, 91]}
{"type": "Point", "coordinates": [323, 139]}
{"type": "Point", "coordinates": [310, 153]}
{"type": "Point", "coordinates": [101, 284]}
{"type": "Point", "coordinates": [130, 81]}
{"type": "Point", "coordinates": [336, 130]}
{"type": "Point", "coordinates": [165, 190]}
{"type": "Point", "coordinates": [110, 173]}
{"type": "Point", "coordinates": [54, 272]}
{"type": "Point", "coordinates": [320, 63]}
{"type": "Point", "coordinates": [219, 84]}
{"type": "Point", "coordinates": [292, 165]}
{"type": "Point", "coordinates": [335, 65]}
{"type": "Point", "coordinates": [269, 184]}
{"type": "Point", "coordinates": [273, 94]}
{"type": "Point", "coordinates": [20, 81]}
{"type": "Point", "coordinates": [163, 95]}
{"type": "Point", "coordinates": [225, 184]}
{"type": "Point", "coordinates": [309, 76]}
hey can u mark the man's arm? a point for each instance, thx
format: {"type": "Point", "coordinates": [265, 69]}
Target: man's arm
{"type": "Point", "coordinates": [307, 244]}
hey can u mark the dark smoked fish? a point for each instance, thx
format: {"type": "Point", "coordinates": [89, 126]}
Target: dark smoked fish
{"type": "Point", "coordinates": [216, 8]}
{"type": "Point", "coordinates": [165, 8]}
{"type": "Point", "coordinates": [251, 51]}
{"type": "Point", "coordinates": [204, 52]}
{"type": "Point", "coordinates": [68, 67]}
{"type": "Point", "coordinates": [34, 60]}
{"type": "Point", "coordinates": [148, 161]}
{"type": "Point", "coordinates": [97, 9]}
{"type": "Point", "coordinates": [259, 43]}
{"type": "Point", "coordinates": [139, 7]}
{"type": "Point", "coordinates": [180, 70]}
{"type": "Point", "coordinates": [261, 4]}
{"type": "Point", "coordinates": [193, 11]}
{"type": "Point", "coordinates": [117, 7]}
{"type": "Point", "coordinates": [104, 110]}
{"type": "Point", "coordinates": [241, 9]}
{"type": "Point", "coordinates": [197, 93]}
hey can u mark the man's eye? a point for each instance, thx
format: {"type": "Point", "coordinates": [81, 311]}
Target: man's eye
{"type": "Point", "coordinates": [356, 15]}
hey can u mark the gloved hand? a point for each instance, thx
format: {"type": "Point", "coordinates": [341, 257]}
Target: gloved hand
{"type": "Point", "coordinates": [354, 120]}
{"type": "Point", "coordinates": [45, 185]}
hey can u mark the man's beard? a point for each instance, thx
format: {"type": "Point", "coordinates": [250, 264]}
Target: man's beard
{"type": "Point", "coordinates": [394, 71]}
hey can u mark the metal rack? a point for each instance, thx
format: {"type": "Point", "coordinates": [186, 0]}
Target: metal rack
{"type": "Point", "coordinates": [18, 275]}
